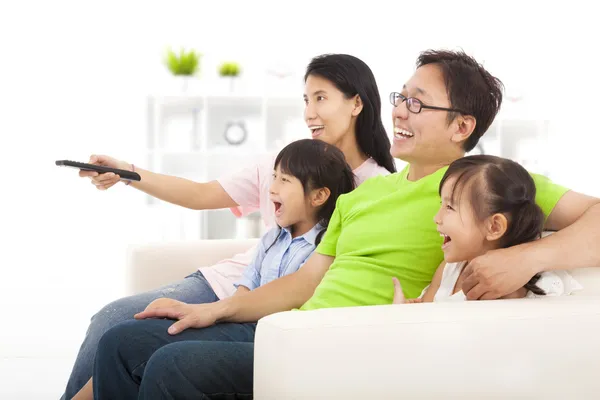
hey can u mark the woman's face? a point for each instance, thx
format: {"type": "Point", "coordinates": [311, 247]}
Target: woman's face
{"type": "Point", "coordinates": [329, 115]}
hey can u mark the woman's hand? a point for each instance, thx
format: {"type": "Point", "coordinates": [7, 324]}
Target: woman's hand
{"type": "Point", "coordinates": [187, 315]}
{"type": "Point", "coordinates": [106, 180]}
{"type": "Point", "coordinates": [399, 294]}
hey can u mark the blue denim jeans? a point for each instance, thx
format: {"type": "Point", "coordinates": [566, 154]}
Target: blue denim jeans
{"type": "Point", "coordinates": [193, 289]}
{"type": "Point", "coordinates": [139, 360]}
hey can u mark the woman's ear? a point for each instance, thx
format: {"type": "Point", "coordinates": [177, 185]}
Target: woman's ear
{"type": "Point", "coordinates": [465, 125]}
{"type": "Point", "coordinates": [496, 227]}
{"type": "Point", "coordinates": [319, 196]}
{"type": "Point", "coordinates": [358, 106]}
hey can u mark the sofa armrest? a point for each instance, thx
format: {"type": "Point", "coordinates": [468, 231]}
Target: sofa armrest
{"type": "Point", "coordinates": [153, 265]}
{"type": "Point", "coordinates": [524, 348]}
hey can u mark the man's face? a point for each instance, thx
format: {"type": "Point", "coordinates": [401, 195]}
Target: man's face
{"type": "Point", "coordinates": [424, 137]}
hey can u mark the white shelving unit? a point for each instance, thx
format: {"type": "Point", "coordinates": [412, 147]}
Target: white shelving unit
{"type": "Point", "coordinates": [186, 138]}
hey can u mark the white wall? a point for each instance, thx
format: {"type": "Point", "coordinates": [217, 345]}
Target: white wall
{"type": "Point", "coordinates": [74, 76]}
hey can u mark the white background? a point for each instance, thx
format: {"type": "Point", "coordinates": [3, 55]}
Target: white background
{"type": "Point", "coordinates": [74, 77]}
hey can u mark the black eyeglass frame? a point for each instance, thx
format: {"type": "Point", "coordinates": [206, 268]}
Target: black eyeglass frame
{"type": "Point", "coordinates": [396, 95]}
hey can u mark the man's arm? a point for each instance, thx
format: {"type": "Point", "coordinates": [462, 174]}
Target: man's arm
{"type": "Point", "coordinates": [283, 294]}
{"type": "Point", "coordinates": [241, 290]}
{"type": "Point", "coordinates": [576, 217]}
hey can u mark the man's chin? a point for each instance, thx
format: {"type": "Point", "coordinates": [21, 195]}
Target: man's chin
{"type": "Point", "coordinates": [401, 154]}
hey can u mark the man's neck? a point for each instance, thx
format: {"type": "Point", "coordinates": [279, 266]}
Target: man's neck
{"type": "Point", "coordinates": [419, 171]}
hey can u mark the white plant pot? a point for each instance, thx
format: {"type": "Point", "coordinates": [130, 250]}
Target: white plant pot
{"type": "Point", "coordinates": [229, 84]}
{"type": "Point", "coordinates": [184, 84]}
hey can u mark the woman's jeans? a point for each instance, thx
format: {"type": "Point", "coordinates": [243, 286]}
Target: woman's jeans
{"type": "Point", "coordinates": [193, 289]}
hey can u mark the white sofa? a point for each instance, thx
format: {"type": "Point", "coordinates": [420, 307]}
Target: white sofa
{"type": "Point", "coordinates": [527, 349]}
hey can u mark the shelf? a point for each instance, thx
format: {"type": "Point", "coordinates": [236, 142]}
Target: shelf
{"type": "Point", "coordinates": [220, 151]}
{"type": "Point", "coordinates": [227, 96]}
{"type": "Point", "coordinates": [234, 101]}
{"type": "Point", "coordinates": [284, 101]}
{"type": "Point", "coordinates": [186, 138]}
{"type": "Point", "coordinates": [179, 102]}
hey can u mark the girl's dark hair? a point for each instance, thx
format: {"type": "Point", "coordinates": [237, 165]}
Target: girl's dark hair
{"type": "Point", "coordinates": [498, 185]}
{"type": "Point", "coordinates": [317, 164]}
{"type": "Point", "coordinates": [352, 77]}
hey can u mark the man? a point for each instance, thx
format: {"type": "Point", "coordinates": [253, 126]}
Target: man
{"type": "Point", "coordinates": [382, 229]}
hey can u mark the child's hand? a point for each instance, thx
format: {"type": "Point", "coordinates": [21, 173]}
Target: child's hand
{"type": "Point", "coordinates": [399, 295]}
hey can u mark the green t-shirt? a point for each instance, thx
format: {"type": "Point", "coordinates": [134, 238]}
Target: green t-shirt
{"type": "Point", "coordinates": [384, 229]}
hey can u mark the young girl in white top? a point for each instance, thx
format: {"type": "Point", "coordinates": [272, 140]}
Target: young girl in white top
{"type": "Point", "coordinates": [487, 203]}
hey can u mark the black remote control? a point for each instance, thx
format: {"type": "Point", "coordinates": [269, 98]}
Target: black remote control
{"type": "Point", "coordinates": [123, 173]}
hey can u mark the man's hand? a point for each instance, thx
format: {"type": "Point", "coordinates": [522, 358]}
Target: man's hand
{"type": "Point", "coordinates": [497, 273]}
{"type": "Point", "coordinates": [162, 303]}
{"type": "Point", "coordinates": [188, 315]}
{"type": "Point", "coordinates": [399, 294]}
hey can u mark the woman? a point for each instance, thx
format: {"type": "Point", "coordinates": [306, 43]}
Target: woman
{"type": "Point", "coordinates": [343, 108]}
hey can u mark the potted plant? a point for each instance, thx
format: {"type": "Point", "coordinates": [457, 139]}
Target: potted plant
{"type": "Point", "coordinates": [230, 70]}
{"type": "Point", "coordinates": [184, 64]}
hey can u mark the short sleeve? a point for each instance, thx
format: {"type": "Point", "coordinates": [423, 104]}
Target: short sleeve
{"type": "Point", "coordinates": [548, 193]}
{"type": "Point", "coordinates": [246, 186]}
{"type": "Point", "coordinates": [328, 244]}
{"type": "Point", "coordinates": [557, 283]}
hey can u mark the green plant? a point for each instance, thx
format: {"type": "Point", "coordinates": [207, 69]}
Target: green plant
{"type": "Point", "coordinates": [184, 63]}
{"type": "Point", "coordinates": [229, 69]}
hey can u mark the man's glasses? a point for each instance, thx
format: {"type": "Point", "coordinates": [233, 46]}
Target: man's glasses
{"type": "Point", "coordinates": [415, 105]}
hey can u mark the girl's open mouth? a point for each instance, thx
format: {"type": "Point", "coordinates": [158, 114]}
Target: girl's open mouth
{"type": "Point", "coordinates": [278, 208]}
{"type": "Point", "coordinates": [447, 240]}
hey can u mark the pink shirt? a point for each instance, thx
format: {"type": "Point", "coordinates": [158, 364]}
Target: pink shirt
{"type": "Point", "coordinates": [249, 188]}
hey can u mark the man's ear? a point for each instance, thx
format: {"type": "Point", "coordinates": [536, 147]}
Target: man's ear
{"type": "Point", "coordinates": [358, 106]}
{"type": "Point", "coordinates": [319, 197]}
{"type": "Point", "coordinates": [464, 125]}
{"type": "Point", "coordinates": [496, 227]}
